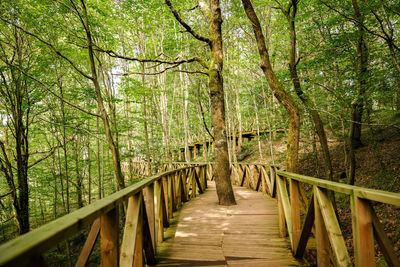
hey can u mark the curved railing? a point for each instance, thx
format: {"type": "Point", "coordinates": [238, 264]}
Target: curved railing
{"type": "Point", "coordinates": [148, 206]}
{"type": "Point", "coordinates": [318, 211]}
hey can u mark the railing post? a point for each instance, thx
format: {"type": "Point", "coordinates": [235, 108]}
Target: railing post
{"type": "Point", "coordinates": [109, 238]}
{"type": "Point", "coordinates": [295, 207]}
{"type": "Point", "coordinates": [149, 194]}
{"type": "Point", "coordinates": [173, 193]}
{"type": "Point", "coordinates": [158, 224]}
{"type": "Point", "coordinates": [272, 181]}
{"type": "Point", "coordinates": [322, 235]}
{"type": "Point", "coordinates": [281, 215]}
{"type": "Point", "coordinates": [165, 192]}
{"type": "Point", "coordinates": [363, 233]}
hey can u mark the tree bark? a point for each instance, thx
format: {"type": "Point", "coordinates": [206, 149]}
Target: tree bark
{"type": "Point", "coordinates": [103, 113]}
{"type": "Point", "coordinates": [293, 61]}
{"type": "Point", "coordinates": [277, 89]}
{"type": "Point", "coordinates": [357, 107]}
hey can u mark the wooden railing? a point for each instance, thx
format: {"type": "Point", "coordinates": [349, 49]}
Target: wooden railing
{"type": "Point", "coordinates": [147, 207]}
{"type": "Point", "coordinates": [150, 204]}
{"type": "Point", "coordinates": [141, 168]}
{"type": "Point", "coordinates": [318, 212]}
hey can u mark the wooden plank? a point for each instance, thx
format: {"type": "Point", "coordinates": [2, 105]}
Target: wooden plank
{"type": "Point", "coordinates": [163, 207]}
{"type": "Point", "coordinates": [164, 190]}
{"type": "Point", "coordinates": [332, 227]}
{"type": "Point", "coordinates": [267, 181]}
{"type": "Point", "coordinates": [363, 236]}
{"type": "Point", "coordinates": [383, 241]}
{"type": "Point", "coordinates": [109, 235]}
{"type": "Point", "coordinates": [132, 222]}
{"type": "Point", "coordinates": [89, 244]}
{"type": "Point", "coordinates": [173, 192]}
{"type": "Point", "coordinates": [148, 243]}
{"type": "Point", "coordinates": [322, 238]}
{"type": "Point", "coordinates": [159, 224]}
{"type": "Point", "coordinates": [306, 230]}
{"type": "Point", "coordinates": [366, 193]}
{"type": "Point", "coordinates": [178, 189]}
{"type": "Point", "coordinates": [150, 211]}
{"type": "Point", "coordinates": [184, 186]}
{"type": "Point", "coordinates": [295, 208]}
{"type": "Point", "coordinates": [273, 181]}
{"type": "Point", "coordinates": [246, 233]}
{"type": "Point", "coordinates": [138, 241]}
{"type": "Point", "coordinates": [196, 177]}
{"type": "Point", "coordinates": [284, 197]}
{"type": "Point", "coordinates": [244, 175]}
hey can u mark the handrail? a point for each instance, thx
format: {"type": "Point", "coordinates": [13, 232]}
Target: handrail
{"type": "Point", "coordinates": [319, 213]}
{"type": "Point", "coordinates": [163, 193]}
{"type": "Point", "coordinates": [365, 193]}
{"type": "Point", "coordinates": [151, 202]}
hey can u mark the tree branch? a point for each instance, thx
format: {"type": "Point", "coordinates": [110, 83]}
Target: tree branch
{"type": "Point", "coordinates": [185, 25]}
{"type": "Point", "coordinates": [50, 152]}
{"type": "Point", "coordinates": [50, 46]}
{"type": "Point", "coordinates": [51, 91]}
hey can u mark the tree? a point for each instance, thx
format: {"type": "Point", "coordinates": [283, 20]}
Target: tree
{"type": "Point", "coordinates": [213, 17]}
{"type": "Point", "coordinates": [280, 93]}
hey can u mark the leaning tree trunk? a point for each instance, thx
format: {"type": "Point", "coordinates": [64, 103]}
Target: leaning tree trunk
{"type": "Point", "coordinates": [318, 124]}
{"type": "Point", "coordinates": [103, 113]}
{"type": "Point", "coordinates": [277, 89]}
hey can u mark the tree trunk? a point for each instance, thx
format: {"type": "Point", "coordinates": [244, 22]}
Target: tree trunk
{"type": "Point", "coordinates": [318, 124]}
{"type": "Point", "coordinates": [357, 106]}
{"type": "Point", "coordinates": [103, 113]}
{"type": "Point", "coordinates": [222, 172]}
{"type": "Point", "coordinates": [277, 89]}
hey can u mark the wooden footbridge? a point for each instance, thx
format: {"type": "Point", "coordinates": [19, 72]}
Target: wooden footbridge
{"type": "Point", "coordinates": [274, 224]}
{"type": "Point", "coordinates": [196, 148]}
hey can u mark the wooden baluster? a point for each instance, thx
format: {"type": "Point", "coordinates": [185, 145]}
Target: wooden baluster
{"type": "Point", "coordinates": [194, 190]}
{"type": "Point", "coordinates": [131, 230]}
{"type": "Point", "coordinates": [159, 224]}
{"type": "Point", "coordinates": [322, 236]}
{"type": "Point", "coordinates": [138, 252]}
{"type": "Point", "coordinates": [306, 230]}
{"type": "Point", "coordinates": [295, 207]}
{"type": "Point", "coordinates": [363, 234]}
{"type": "Point", "coordinates": [205, 177]}
{"type": "Point", "coordinates": [184, 186]}
{"type": "Point", "coordinates": [242, 182]}
{"type": "Point", "coordinates": [284, 206]}
{"type": "Point", "coordinates": [281, 217]}
{"type": "Point", "coordinates": [149, 247]}
{"type": "Point", "coordinates": [166, 198]}
{"type": "Point", "coordinates": [109, 238]}
{"type": "Point", "coordinates": [150, 211]}
{"type": "Point", "coordinates": [273, 181]}
{"type": "Point", "coordinates": [178, 180]}
{"type": "Point", "coordinates": [383, 241]}
{"type": "Point", "coordinates": [89, 244]}
{"type": "Point", "coordinates": [332, 227]}
{"type": "Point", "coordinates": [258, 174]}
{"type": "Point", "coordinates": [198, 180]}
{"type": "Point", "coordinates": [173, 193]}
{"type": "Point", "coordinates": [266, 181]}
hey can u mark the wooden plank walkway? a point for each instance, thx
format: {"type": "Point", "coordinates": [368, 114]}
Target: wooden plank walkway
{"type": "Point", "coordinates": [206, 234]}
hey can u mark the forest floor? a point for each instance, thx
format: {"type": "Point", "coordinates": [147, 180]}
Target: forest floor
{"type": "Point", "coordinates": [377, 167]}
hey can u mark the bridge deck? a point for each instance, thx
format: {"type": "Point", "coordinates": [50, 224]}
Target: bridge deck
{"type": "Point", "coordinates": [206, 234]}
